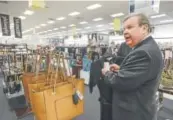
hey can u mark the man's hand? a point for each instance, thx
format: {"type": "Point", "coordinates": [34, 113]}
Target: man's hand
{"type": "Point", "coordinates": [114, 67]}
{"type": "Point", "coordinates": [104, 70]}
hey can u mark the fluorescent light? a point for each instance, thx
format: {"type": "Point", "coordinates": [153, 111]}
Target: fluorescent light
{"type": "Point", "coordinates": [166, 21]}
{"type": "Point", "coordinates": [117, 15]}
{"type": "Point", "coordinates": [111, 28]}
{"type": "Point", "coordinates": [101, 30]}
{"type": "Point", "coordinates": [99, 25]}
{"type": "Point", "coordinates": [27, 30]}
{"type": "Point", "coordinates": [60, 37]}
{"type": "Point", "coordinates": [84, 22]}
{"type": "Point", "coordinates": [62, 27]}
{"type": "Point", "coordinates": [94, 6]}
{"type": "Point", "coordinates": [28, 12]}
{"type": "Point", "coordinates": [50, 22]}
{"type": "Point", "coordinates": [111, 23]}
{"type": "Point", "coordinates": [72, 25]}
{"type": "Point", "coordinates": [43, 25]}
{"type": "Point", "coordinates": [60, 18]}
{"type": "Point", "coordinates": [22, 17]}
{"type": "Point", "coordinates": [45, 31]}
{"type": "Point", "coordinates": [37, 27]}
{"type": "Point", "coordinates": [158, 16]}
{"type": "Point", "coordinates": [40, 32]}
{"type": "Point", "coordinates": [87, 27]}
{"type": "Point", "coordinates": [97, 19]}
{"type": "Point", "coordinates": [55, 29]}
{"type": "Point", "coordinates": [74, 13]}
{"type": "Point", "coordinates": [49, 31]}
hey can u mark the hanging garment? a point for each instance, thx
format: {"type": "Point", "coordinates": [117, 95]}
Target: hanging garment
{"type": "Point", "coordinates": [84, 51]}
{"type": "Point", "coordinates": [103, 51]}
{"type": "Point", "coordinates": [95, 56]}
{"type": "Point", "coordinates": [86, 64]}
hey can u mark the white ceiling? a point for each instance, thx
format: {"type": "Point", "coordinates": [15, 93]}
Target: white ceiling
{"type": "Point", "coordinates": [57, 9]}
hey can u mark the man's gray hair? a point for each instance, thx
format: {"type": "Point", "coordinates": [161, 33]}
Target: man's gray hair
{"type": "Point", "coordinates": [143, 20]}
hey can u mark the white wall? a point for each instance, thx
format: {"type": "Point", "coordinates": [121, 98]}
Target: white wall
{"type": "Point", "coordinates": [163, 31]}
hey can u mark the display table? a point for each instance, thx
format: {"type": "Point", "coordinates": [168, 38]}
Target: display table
{"type": "Point", "coordinates": [85, 75]}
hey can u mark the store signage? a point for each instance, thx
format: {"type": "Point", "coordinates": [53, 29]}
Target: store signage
{"type": "Point", "coordinates": [56, 41]}
{"type": "Point", "coordinates": [37, 4]}
{"type": "Point", "coordinates": [96, 38]}
{"type": "Point", "coordinates": [131, 6]}
{"type": "Point", "coordinates": [17, 27]}
{"type": "Point", "coordinates": [74, 32]}
{"type": "Point", "coordinates": [117, 24]}
{"type": "Point", "coordinates": [147, 7]}
{"type": "Point", "coordinates": [5, 25]}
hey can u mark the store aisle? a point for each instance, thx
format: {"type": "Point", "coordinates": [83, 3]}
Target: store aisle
{"type": "Point", "coordinates": [91, 108]}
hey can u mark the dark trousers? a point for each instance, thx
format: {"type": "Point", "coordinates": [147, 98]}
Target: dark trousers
{"type": "Point", "coordinates": [105, 111]}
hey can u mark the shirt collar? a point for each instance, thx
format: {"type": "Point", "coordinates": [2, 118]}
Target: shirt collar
{"type": "Point", "coordinates": [142, 41]}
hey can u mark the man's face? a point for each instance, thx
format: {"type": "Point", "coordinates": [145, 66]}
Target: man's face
{"type": "Point", "coordinates": [133, 33]}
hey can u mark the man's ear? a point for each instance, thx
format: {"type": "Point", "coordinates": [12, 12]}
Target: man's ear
{"type": "Point", "coordinates": [145, 27]}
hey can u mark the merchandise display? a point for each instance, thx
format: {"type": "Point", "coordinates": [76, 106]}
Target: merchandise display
{"type": "Point", "coordinates": [72, 60]}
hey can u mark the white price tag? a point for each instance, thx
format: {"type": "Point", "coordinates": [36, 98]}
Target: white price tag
{"type": "Point", "coordinates": [79, 95]}
{"type": "Point", "coordinates": [107, 65]}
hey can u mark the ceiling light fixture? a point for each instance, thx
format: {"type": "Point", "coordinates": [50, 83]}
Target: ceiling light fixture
{"type": "Point", "coordinates": [158, 16]}
{"type": "Point", "coordinates": [55, 29]}
{"type": "Point", "coordinates": [74, 13]}
{"type": "Point", "coordinates": [72, 25]}
{"type": "Point", "coordinates": [43, 25]}
{"type": "Point", "coordinates": [111, 23]}
{"type": "Point", "coordinates": [117, 15]}
{"type": "Point", "coordinates": [83, 22]}
{"type": "Point", "coordinates": [27, 30]}
{"type": "Point", "coordinates": [99, 25]}
{"type": "Point", "coordinates": [50, 22]}
{"type": "Point", "coordinates": [37, 27]}
{"type": "Point", "coordinates": [60, 18]}
{"type": "Point", "coordinates": [97, 19]}
{"type": "Point", "coordinates": [39, 32]}
{"type": "Point", "coordinates": [166, 21]}
{"type": "Point", "coordinates": [101, 30]}
{"type": "Point", "coordinates": [49, 31]}
{"type": "Point", "coordinates": [94, 6]}
{"type": "Point", "coordinates": [87, 27]}
{"type": "Point", "coordinates": [28, 12]}
{"type": "Point", "coordinates": [22, 17]}
{"type": "Point", "coordinates": [62, 27]}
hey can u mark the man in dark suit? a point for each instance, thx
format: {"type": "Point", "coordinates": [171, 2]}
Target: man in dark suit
{"type": "Point", "coordinates": [136, 80]}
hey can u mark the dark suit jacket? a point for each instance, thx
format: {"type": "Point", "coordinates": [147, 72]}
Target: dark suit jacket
{"type": "Point", "coordinates": [136, 83]}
